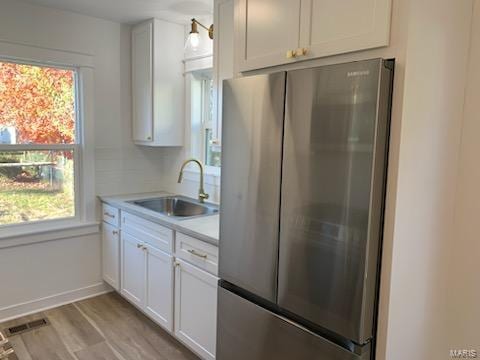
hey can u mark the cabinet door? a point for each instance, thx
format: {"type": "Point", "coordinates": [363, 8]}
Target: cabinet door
{"type": "Point", "coordinates": [133, 269]}
{"type": "Point", "coordinates": [142, 82]}
{"type": "Point", "coordinates": [196, 309]}
{"type": "Point", "coordinates": [266, 30]}
{"type": "Point", "coordinates": [331, 27]}
{"type": "Point", "coordinates": [159, 287]}
{"type": "Point", "coordinates": [111, 255]}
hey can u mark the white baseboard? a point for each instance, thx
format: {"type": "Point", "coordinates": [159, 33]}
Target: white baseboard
{"type": "Point", "coordinates": [48, 302]}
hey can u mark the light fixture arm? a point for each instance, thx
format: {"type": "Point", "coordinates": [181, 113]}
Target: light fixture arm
{"type": "Point", "coordinates": [195, 22]}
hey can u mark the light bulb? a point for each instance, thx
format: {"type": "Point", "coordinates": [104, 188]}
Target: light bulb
{"type": "Point", "coordinates": [194, 39]}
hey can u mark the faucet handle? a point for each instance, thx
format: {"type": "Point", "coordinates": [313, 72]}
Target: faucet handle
{"type": "Point", "coordinates": [202, 195]}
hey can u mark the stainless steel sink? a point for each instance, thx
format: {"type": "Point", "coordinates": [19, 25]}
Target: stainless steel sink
{"type": "Point", "coordinates": [177, 206]}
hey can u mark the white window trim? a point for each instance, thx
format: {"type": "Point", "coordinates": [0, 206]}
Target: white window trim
{"type": "Point", "coordinates": [84, 176]}
{"type": "Point", "coordinates": [213, 173]}
{"type": "Point", "coordinates": [201, 62]}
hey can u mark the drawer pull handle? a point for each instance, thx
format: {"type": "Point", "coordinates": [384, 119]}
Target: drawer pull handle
{"type": "Point", "coordinates": [5, 353]}
{"type": "Point", "coordinates": [193, 252]}
{"type": "Point", "coordinates": [109, 215]}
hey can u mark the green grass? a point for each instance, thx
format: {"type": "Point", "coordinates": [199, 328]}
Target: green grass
{"type": "Point", "coordinates": [23, 202]}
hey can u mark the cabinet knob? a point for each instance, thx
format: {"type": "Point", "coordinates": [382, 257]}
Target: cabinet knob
{"type": "Point", "coordinates": [301, 52]}
{"type": "Point", "coordinates": [115, 232]}
{"type": "Point", "coordinates": [139, 246]}
{"type": "Point", "coordinates": [291, 54]}
{"type": "Point", "coordinates": [149, 138]}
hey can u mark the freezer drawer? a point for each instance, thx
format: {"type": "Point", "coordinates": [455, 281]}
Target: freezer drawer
{"type": "Point", "coordinates": [247, 331]}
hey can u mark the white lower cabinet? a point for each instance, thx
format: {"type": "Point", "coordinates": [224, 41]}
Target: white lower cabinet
{"type": "Point", "coordinates": [176, 290]}
{"type": "Point", "coordinates": [147, 279]}
{"type": "Point", "coordinates": [196, 308]}
{"type": "Point", "coordinates": [159, 289]}
{"type": "Point", "coordinates": [111, 255]}
{"type": "Point", "coordinates": [133, 269]}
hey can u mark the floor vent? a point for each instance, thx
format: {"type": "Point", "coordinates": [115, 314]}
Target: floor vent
{"type": "Point", "coordinates": [32, 325]}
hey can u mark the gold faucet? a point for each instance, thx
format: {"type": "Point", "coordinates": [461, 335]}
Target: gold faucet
{"type": "Point", "coordinates": [202, 195]}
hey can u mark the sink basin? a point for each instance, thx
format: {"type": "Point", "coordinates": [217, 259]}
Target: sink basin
{"type": "Point", "coordinates": [177, 206]}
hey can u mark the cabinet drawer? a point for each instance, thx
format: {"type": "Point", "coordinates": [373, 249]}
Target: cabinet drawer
{"type": "Point", "coordinates": [152, 233]}
{"type": "Point", "coordinates": [197, 252]}
{"type": "Point", "coordinates": [111, 215]}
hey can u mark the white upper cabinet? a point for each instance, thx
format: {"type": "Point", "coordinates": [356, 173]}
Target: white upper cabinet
{"type": "Point", "coordinates": [330, 27]}
{"type": "Point", "coordinates": [157, 83]}
{"type": "Point", "coordinates": [142, 86]}
{"type": "Point", "coordinates": [273, 32]}
{"type": "Point", "coordinates": [265, 30]}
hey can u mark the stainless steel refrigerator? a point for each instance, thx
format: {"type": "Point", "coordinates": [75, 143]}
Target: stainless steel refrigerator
{"type": "Point", "coordinates": [302, 202]}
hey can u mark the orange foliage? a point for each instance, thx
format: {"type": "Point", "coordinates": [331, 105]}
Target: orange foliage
{"type": "Point", "coordinates": [39, 102]}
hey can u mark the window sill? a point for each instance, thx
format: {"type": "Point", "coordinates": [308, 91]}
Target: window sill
{"type": "Point", "coordinates": [36, 233]}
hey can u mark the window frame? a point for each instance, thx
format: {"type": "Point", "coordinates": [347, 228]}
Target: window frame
{"type": "Point", "coordinates": [203, 81]}
{"type": "Point", "coordinates": [193, 65]}
{"type": "Point", "coordinates": [77, 148]}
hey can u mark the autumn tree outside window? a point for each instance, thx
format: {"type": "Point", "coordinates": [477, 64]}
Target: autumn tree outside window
{"type": "Point", "coordinates": [39, 151]}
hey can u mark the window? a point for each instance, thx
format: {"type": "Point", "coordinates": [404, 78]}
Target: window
{"type": "Point", "coordinates": [39, 147]}
{"type": "Point", "coordinates": [204, 127]}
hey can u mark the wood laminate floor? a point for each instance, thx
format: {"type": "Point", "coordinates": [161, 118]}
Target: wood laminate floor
{"type": "Point", "coordinates": [105, 327]}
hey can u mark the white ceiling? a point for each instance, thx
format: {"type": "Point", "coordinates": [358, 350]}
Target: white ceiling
{"type": "Point", "coordinates": [132, 11]}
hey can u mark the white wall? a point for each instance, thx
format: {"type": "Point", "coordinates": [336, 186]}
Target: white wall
{"type": "Point", "coordinates": [41, 270]}
{"type": "Point", "coordinates": [435, 77]}
{"type": "Point", "coordinates": [463, 277]}
{"type": "Point", "coordinates": [44, 274]}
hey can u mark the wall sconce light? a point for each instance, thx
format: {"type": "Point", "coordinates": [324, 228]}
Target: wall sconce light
{"type": "Point", "coordinates": [193, 40]}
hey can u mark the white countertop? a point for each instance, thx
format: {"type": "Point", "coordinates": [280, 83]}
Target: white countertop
{"type": "Point", "coordinates": [205, 228]}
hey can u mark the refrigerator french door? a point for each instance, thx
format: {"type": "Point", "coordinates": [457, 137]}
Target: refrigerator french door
{"type": "Point", "coordinates": [302, 193]}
